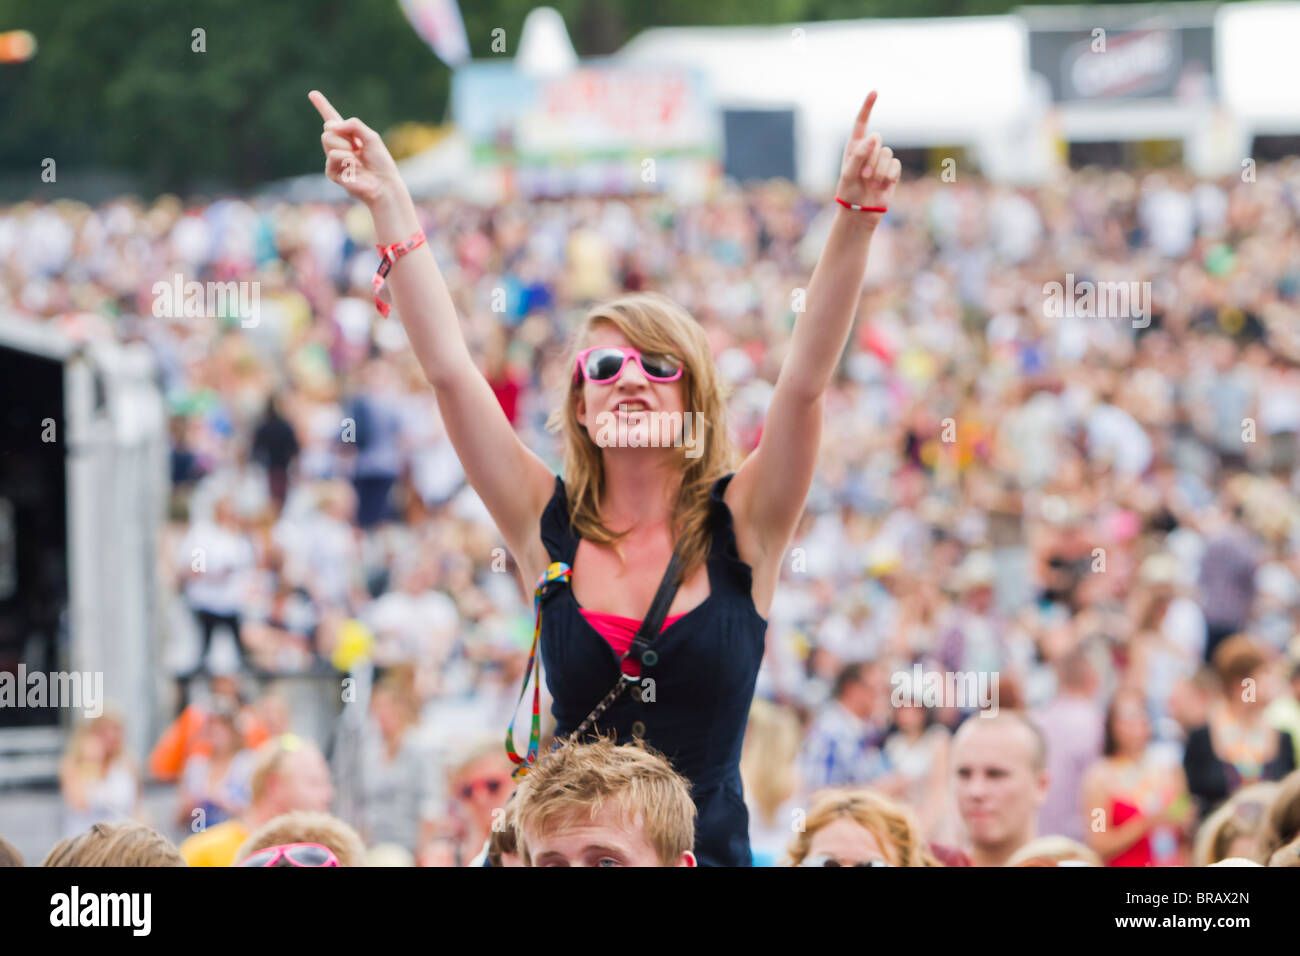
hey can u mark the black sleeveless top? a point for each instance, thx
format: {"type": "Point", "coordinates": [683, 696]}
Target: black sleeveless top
{"type": "Point", "coordinates": [703, 679]}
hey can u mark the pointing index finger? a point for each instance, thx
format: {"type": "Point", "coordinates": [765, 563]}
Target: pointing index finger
{"type": "Point", "coordinates": [323, 106]}
{"type": "Point", "coordinates": [860, 126]}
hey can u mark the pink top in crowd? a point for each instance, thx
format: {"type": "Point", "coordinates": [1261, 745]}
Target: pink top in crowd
{"type": "Point", "coordinates": [619, 631]}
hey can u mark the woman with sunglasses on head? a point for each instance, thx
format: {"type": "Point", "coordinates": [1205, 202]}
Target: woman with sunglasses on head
{"type": "Point", "coordinates": [479, 783]}
{"type": "Point", "coordinates": [303, 838]}
{"type": "Point", "coordinates": [651, 482]}
{"type": "Point", "coordinates": [859, 827]}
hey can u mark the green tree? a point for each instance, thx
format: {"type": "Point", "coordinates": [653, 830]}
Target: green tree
{"type": "Point", "coordinates": [121, 84]}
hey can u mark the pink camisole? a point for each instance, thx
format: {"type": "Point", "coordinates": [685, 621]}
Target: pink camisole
{"type": "Point", "coordinates": [619, 631]}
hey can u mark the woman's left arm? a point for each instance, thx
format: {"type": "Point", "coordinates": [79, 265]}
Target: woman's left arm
{"type": "Point", "coordinates": [772, 484]}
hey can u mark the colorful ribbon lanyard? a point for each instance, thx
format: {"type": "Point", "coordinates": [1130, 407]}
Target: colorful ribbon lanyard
{"type": "Point", "coordinates": [558, 570]}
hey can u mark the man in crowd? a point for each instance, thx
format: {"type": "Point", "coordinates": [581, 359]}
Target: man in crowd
{"type": "Point", "coordinates": [1000, 765]}
{"type": "Point", "coordinates": [275, 446]}
{"type": "Point", "coordinates": [599, 804]}
{"type": "Point", "coordinates": [290, 775]}
{"type": "Point", "coordinates": [1073, 725]}
{"type": "Point", "coordinates": [843, 745]}
{"type": "Point", "coordinates": [377, 442]}
{"type": "Point", "coordinates": [1227, 581]}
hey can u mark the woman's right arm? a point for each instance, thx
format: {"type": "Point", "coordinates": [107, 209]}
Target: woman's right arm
{"type": "Point", "coordinates": [513, 482]}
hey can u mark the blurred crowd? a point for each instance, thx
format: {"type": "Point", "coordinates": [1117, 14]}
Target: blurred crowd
{"type": "Point", "coordinates": [1099, 512]}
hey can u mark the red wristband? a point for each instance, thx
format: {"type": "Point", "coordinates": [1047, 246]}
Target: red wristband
{"type": "Point", "coordinates": [391, 254]}
{"type": "Point", "coordinates": [856, 208]}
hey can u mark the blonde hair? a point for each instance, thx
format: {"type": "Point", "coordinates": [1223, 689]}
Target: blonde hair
{"type": "Point", "coordinates": [652, 323]}
{"type": "Point", "coordinates": [768, 755]}
{"type": "Point", "coordinates": [269, 758]}
{"type": "Point", "coordinates": [115, 844]}
{"type": "Point", "coordinates": [1231, 821]}
{"type": "Point", "coordinates": [112, 717]}
{"type": "Point", "coordinates": [892, 824]}
{"type": "Point", "coordinates": [303, 826]}
{"type": "Point", "coordinates": [1051, 850]}
{"type": "Point", "coordinates": [472, 751]}
{"type": "Point", "coordinates": [73, 752]}
{"type": "Point", "coordinates": [73, 768]}
{"type": "Point", "coordinates": [579, 778]}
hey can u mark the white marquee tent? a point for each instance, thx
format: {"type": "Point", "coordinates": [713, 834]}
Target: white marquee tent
{"type": "Point", "coordinates": [953, 82]}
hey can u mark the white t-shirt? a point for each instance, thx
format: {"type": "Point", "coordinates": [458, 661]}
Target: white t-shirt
{"type": "Point", "coordinates": [111, 799]}
{"type": "Point", "coordinates": [219, 561]}
{"type": "Point", "coordinates": [1279, 405]}
{"type": "Point", "coordinates": [413, 626]}
{"type": "Point", "coordinates": [321, 554]}
{"type": "Point", "coordinates": [192, 240]}
{"type": "Point", "coordinates": [1170, 220]}
{"type": "Point", "coordinates": [1114, 433]}
{"type": "Point", "coordinates": [1184, 626]}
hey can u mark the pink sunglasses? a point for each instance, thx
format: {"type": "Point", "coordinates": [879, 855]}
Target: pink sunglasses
{"type": "Point", "coordinates": [292, 854]}
{"type": "Point", "coordinates": [605, 364]}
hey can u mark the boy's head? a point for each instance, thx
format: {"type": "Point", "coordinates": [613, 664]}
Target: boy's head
{"type": "Point", "coordinates": [305, 826]}
{"type": "Point", "coordinates": [597, 804]}
{"type": "Point", "coordinates": [115, 844]}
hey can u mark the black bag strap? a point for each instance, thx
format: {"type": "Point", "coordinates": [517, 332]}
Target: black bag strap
{"type": "Point", "coordinates": [639, 650]}
{"type": "Point", "coordinates": [654, 619]}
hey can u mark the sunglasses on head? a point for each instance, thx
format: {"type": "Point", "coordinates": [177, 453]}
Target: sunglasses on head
{"type": "Point", "coordinates": [292, 854]}
{"type": "Point", "coordinates": [492, 786]}
{"type": "Point", "coordinates": [603, 364]}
